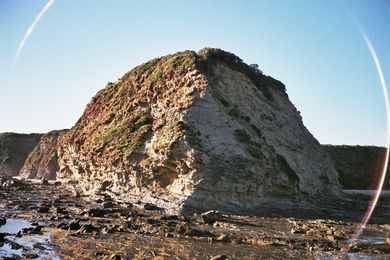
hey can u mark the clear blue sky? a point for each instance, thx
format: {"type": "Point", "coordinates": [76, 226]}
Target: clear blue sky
{"type": "Point", "coordinates": [312, 46]}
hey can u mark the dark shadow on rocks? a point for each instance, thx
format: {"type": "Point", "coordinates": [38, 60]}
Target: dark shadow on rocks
{"type": "Point", "coordinates": [14, 149]}
{"type": "Point", "coordinates": [346, 207]}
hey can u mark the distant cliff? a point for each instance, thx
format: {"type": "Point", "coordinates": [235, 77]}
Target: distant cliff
{"type": "Point", "coordinates": [358, 166]}
{"type": "Point", "coordinates": [14, 149]}
{"type": "Point", "coordinates": [42, 161]}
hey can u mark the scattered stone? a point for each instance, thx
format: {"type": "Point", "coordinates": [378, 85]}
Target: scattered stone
{"type": "Point", "coordinates": [61, 210]}
{"type": "Point", "coordinates": [44, 209]}
{"type": "Point", "coordinates": [20, 207]}
{"type": "Point", "coordinates": [37, 230]}
{"type": "Point", "coordinates": [298, 231]}
{"type": "Point", "coordinates": [152, 221]}
{"type": "Point", "coordinates": [2, 236]}
{"type": "Point", "coordinates": [109, 204]}
{"type": "Point", "coordinates": [211, 216]}
{"type": "Point", "coordinates": [100, 253]}
{"type": "Point", "coordinates": [150, 206]}
{"type": "Point", "coordinates": [88, 228]}
{"type": "Point", "coordinates": [75, 225]}
{"type": "Point", "coordinates": [13, 183]}
{"type": "Point", "coordinates": [115, 257]}
{"type": "Point", "coordinates": [31, 255]}
{"type": "Point", "coordinates": [61, 225]}
{"type": "Point", "coordinates": [128, 204]}
{"type": "Point", "coordinates": [105, 185]}
{"type": "Point", "coordinates": [108, 230]}
{"type": "Point", "coordinates": [219, 257]}
{"type": "Point", "coordinates": [14, 245]}
{"type": "Point", "coordinates": [225, 238]}
{"type": "Point", "coordinates": [99, 213]}
{"type": "Point", "coordinates": [186, 230]}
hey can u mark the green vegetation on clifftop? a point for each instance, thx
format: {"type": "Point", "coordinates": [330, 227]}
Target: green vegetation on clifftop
{"type": "Point", "coordinates": [181, 62]}
{"type": "Point", "coordinates": [117, 121]}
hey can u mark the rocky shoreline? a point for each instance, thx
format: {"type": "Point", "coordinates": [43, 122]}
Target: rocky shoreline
{"type": "Point", "coordinates": [106, 229]}
{"type": "Point", "coordinates": [193, 155]}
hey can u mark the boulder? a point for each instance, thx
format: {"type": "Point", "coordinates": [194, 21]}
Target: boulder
{"type": "Point", "coordinates": [211, 216]}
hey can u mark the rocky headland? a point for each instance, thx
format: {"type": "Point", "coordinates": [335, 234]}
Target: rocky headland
{"type": "Point", "coordinates": [201, 130]}
{"type": "Point", "coordinates": [173, 138]}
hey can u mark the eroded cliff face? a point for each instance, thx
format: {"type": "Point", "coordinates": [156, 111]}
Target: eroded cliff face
{"type": "Point", "coordinates": [42, 161]}
{"type": "Point", "coordinates": [201, 130]}
{"type": "Point", "coordinates": [14, 149]}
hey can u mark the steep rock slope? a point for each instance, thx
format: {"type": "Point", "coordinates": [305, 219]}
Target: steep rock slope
{"type": "Point", "coordinates": [14, 149]}
{"type": "Point", "coordinates": [359, 167]}
{"type": "Point", "coordinates": [42, 161]}
{"type": "Point", "coordinates": [201, 130]}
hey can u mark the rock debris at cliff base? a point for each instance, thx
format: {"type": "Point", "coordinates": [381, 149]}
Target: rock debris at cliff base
{"type": "Point", "coordinates": [103, 228]}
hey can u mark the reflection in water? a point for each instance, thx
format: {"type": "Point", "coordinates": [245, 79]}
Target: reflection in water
{"type": "Point", "coordinates": [26, 245]}
{"type": "Point", "coordinates": [13, 226]}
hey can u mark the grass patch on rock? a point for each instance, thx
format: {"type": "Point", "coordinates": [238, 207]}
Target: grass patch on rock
{"type": "Point", "coordinates": [124, 137]}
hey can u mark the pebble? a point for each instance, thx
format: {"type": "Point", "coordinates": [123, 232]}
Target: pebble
{"type": "Point", "coordinates": [211, 216]}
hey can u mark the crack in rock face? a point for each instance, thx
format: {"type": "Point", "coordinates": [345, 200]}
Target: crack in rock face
{"type": "Point", "coordinates": [195, 130]}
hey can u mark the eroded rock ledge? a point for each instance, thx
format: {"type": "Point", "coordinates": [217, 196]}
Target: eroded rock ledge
{"type": "Point", "coordinates": [201, 130]}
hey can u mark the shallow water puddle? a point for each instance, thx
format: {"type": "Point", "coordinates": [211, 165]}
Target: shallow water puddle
{"type": "Point", "coordinates": [351, 256]}
{"type": "Point", "coordinates": [13, 226]}
{"type": "Point", "coordinates": [37, 246]}
{"type": "Point", "coordinates": [368, 237]}
{"type": "Point", "coordinates": [373, 238]}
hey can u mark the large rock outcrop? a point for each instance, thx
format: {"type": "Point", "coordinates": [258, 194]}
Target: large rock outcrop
{"type": "Point", "coordinates": [42, 161]}
{"type": "Point", "coordinates": [201, 130]}
{"type": "Point", "coordinates": [359, 167]}
{"type": "Point", "coordinates": [14, 149]}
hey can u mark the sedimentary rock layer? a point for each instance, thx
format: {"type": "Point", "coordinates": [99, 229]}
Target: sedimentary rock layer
{"type": "Point", "coordinates": [202, 130]}
{"type": "Point", "coordinates": [42, 161]}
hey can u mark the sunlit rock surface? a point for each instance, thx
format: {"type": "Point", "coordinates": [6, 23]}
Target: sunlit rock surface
{"type": "Point", "coordinates": [200, 130]}
{"type": "Point", "coordinates": [42, 161]}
